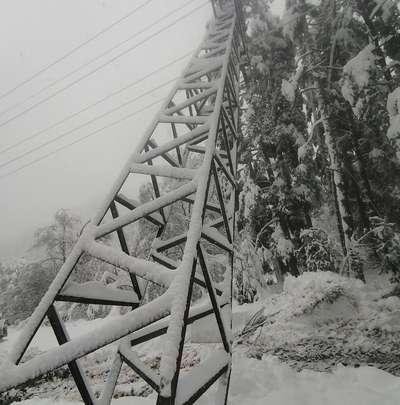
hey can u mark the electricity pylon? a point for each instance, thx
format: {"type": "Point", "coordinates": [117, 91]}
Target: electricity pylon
{"type": "Point", "coordinates": [195, 137]}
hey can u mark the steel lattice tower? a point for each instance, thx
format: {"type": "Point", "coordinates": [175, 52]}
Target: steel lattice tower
{"type": "Point", "coordinates": [194, 140]}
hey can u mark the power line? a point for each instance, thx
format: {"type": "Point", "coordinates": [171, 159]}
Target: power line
{"type": "Point", "coordinates": [109, 50]}
{"type": "Point", "coordinates": [81, 139]}
{"type": "Point", "coordinates": [91, 72]}
{"type": "Point", "coordinates": [76, 48]}
{"type": "Point", "coordinates": [42, 131]}
{"type": "Point", "coordinates": [85, 124]}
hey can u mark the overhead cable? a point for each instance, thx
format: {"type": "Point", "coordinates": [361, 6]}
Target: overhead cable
{"type": "Point", "coordinates": [89, 106]}
{"type": "Point", "coordinates": [85, 124]}
{"type": "Point", "coordinates": [98, 68]}
{"type": "Point", "coordinates": [75, 49]}
{"type": "Point", "coordinates": [126, 117]}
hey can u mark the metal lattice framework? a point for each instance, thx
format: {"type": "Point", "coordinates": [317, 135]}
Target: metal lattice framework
{"type": "Point", "coordinates": [193, 140]}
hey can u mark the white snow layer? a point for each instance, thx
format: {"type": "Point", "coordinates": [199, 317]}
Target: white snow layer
{"type": "Point", "coordinates": [284, 246]}
{"type": "Point", "coordinates": [268, 381]}
{"type": "Point", "coordinates": [140, 267]}
{"type": "Point", "coordinates": [393, 108]}
{"type": "Point", "coordinates": [288, 90]}
{"type": "Point", "coordinates": [357, 73]}
{"type": "Point", "coordinates": [193, 380]}
{"type": "Point", "coordinates": [97, 290]}
{"type": "Point", "coordinates": [289, 87]}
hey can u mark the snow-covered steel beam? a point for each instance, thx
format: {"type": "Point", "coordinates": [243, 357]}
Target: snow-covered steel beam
{"type": "Point", "coordinates": [95, 339]}
{"type": "Point", "coordinates": [160, 327]}
{"type": "Point", "coordinates": [145, 209]}
{"type": "Point", "coordinates": [142, 268]}
{"type": "Point", "coordinates": [163, 171]}
{"type": "Point", "coordinates": [94, 292]}
{"type": "Point", "coordinates": [190, 101]}
{"type": "Point", "coordinates": [199, 132]}
{"type": "Point", "coordinates": [155, 218]}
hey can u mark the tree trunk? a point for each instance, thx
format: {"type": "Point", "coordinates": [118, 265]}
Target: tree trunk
{"type": "Point", "coordinates": [362, 164]}
{"type": "Point", "coordinates": [338, 184]}
{"type": "Point", "coordinates": [290, 265]}
{"type": "Point", "coordinates": [353, 264]}
{"type": "Point", "coordinates": [362, 210]}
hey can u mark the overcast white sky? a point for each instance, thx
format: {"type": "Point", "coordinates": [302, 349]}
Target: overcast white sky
{"type": "Point", "coordinates": [34, 33]}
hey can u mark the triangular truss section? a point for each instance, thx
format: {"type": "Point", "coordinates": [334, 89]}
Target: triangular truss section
{"type": "Point", "coordinates": [198, 122]}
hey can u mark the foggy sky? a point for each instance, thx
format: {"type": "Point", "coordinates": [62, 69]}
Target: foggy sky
{"type": "Point", "coordinates": [33, 33]}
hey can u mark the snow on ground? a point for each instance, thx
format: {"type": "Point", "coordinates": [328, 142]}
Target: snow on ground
{"type": "Point", "coordinates": [317, 307]}
{"type": "Point", "coordinates": [268, 381]}
{"type": "Point", "coordinates": [119, 401]}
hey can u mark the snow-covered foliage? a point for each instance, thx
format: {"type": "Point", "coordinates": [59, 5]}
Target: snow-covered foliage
{"type": "Point", "coordinates": [311, 288]}
{"type": "Point", "coordinates": [23, 279]}
{"type": "Point", "coordinates": [393, 108]}
{"type": "Point", "coordinates": [385, 7]}
{"type": "Point", "coordinates": [304, 296]}
{"type": "Point", "coordinates": [289, 87]}
{"type": "Point", "coordinates": [387, 240]}
{"type": "Point", "coordinates": [322, 319]}
{"type": "Point", "coordinates": [248, 196]}
{"type": "Point", "coordinates": [250, 276]}
{"type": "Point", "coordinates": [288, 90]}
{"type": "Point", "coordinates": [302, 153]}
{"type": "Point", "coordinates": [256, 23]}
{"type": "Point", "coordinates": [359, 68]}
{"type": "Point", "coordinates": [356, 76]}
{"type": "Point", "coordinates": [393, 103]}
{"type": "Point", "coordinates": [317, 251]}
{"type": "Point", "coordinates": [290, 20]}
{"type": "Point", "coordinates": [284, 247]}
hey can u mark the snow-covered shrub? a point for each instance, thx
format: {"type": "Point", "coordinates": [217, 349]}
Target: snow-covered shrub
{"type": "Point", "coordinates": [249, 278]}
{"type": "Point", "coordinates": [313, 296]}
{"type": "Point", "coordinates": [247, 198]}
{"type": "Point", "coordinates": [317, 252]}
{"type": "Point", "coordinates": [311, 288]}
{"type": "Point", "coordinates": [283, 247]}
